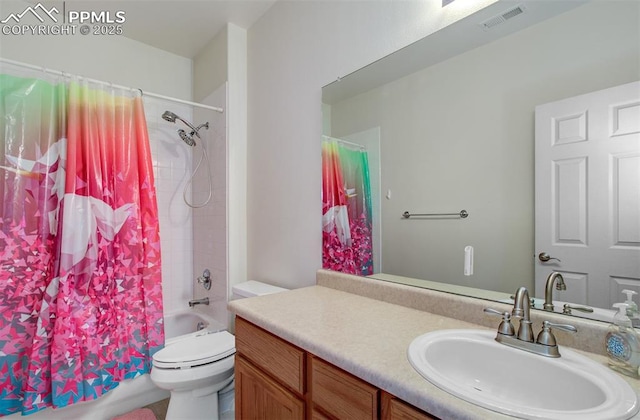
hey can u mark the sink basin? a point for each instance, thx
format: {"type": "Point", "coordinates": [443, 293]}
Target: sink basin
{"type": "Point", "coordinates": [471, 365]}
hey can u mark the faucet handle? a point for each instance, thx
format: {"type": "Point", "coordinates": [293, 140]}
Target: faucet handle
{"type": "Point", "coordinates": [505, 327]}
{"type": "Point", "coordinates": [566, 309]}
{"type": "Point", "coordinates": [492, 311]}
{"type": "Point", "coordinates": [205, 279]}
{"type": "Point", "coordinates": [532, 300]}
{"type": "Point", "coordinates": [564, 327]}
{"type": "Point", "coordinates": [547, 338]}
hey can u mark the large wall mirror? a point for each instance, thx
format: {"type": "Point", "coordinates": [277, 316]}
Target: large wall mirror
{"type": "Point", "coordinates": [449, 124]}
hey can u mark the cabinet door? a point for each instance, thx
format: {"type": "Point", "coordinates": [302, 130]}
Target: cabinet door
{"type": "Point", "coordinates": [259, 397]}
{"type": "Point", "coordinates": [280, 359]}
{"type": "Point", "coordinates": [319, 415]}
{"type": "Point", "coordinates": [395, 409]}
{"type": "Point", "coordinates": [340, 394]}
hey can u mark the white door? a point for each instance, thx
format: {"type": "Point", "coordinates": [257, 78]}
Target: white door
{"type": "Point", "coordinates": [587, 215]}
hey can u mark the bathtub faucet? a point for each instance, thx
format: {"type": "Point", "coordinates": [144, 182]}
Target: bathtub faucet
{"type": "Point", "coordinates": [203, 301]}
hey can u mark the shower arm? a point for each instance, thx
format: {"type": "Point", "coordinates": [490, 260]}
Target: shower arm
{"type": "Point", "coordinates": [197, 129]}
{"type": "Point", "coordinates": [188, 124]}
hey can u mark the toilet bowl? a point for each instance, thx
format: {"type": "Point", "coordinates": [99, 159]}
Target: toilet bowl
{"type": "Point", "coordinates": [198, 371]}
{"type": "Point", "coordinates": [194, 370]}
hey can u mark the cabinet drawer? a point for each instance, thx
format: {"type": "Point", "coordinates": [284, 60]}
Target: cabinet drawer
{"type": "Point", "coordinates": [395, 409]}
{"type": "Point", "coordinates": [283, 361]}
{"type": "Point", "coordinates": [341, 395]}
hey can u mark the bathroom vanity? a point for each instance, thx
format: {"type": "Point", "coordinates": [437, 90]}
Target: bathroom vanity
{"type": "Point", "coordinates": [275, 379]}
{"type": "Point", "coordinates": [319, 351]}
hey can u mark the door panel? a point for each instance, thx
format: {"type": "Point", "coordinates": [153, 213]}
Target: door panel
{"type": "Point", "coordinates": [588, 194]}
{"type": "Point", "coordinates": [569, 201]}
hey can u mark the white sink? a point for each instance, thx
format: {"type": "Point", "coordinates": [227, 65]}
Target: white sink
{"type": "Point", "coordinates": [471, 365]}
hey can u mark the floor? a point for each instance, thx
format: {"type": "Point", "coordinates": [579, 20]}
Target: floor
{"type": "Point", "coordinates": [159, 408]}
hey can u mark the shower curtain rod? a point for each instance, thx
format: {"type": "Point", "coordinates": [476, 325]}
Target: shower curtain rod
{"type": "Point", "coordinates": [143, 93]}
{"type": "Point", "coordinates": [348, 143]}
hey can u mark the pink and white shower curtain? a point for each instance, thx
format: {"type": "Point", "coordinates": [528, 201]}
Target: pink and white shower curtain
{"type": "Point", "coordinates": [346, 209]}
{"type": "Point", "coordinates": [80, 280]}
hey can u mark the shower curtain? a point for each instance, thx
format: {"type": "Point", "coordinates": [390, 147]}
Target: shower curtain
{"type": "Point", "coordinates": [80, 283]}
{"type": "Point", "coordinates": [346, 209]}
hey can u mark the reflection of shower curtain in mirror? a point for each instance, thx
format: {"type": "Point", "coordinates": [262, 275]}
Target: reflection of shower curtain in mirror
{"type": "Point", "coordinates": [80, 282]}
{"type": "Point", "coordinates": [346, 209]}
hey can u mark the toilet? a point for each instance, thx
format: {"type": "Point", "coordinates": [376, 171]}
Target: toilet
{"type": "Point", "coordinates": [198, 371]}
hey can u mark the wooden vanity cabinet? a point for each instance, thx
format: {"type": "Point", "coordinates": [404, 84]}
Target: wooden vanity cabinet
{"type": "Point", "coordinates": [341, 395]}
{"type": "Point", "coordinates": [259, 396]}
{"type": "Point", "coordinates": [269, 375]}
{"type": "Point", "coordinates": [277, 380]}
{"type": "Point", "coordinates": [395, 409]}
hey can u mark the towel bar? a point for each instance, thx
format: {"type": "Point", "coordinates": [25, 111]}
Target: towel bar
{"type": "Point", "coordinates": [463, 214]}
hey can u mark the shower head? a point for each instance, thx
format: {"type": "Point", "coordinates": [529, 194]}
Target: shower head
{"type": "Point", "coordinates": [169, 116]}
{"type": "Point", "coordinates": [187, 138]}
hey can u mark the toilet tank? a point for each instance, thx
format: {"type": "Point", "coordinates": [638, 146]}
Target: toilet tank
{"type": "Point", "coordinates": [254, 288]}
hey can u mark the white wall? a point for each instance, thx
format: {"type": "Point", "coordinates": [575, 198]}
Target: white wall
{"type": "Point", "coordinates": [295, 49]}
{"type": "Point", "coordinates": [237, 154]}
{"type": "Point", "coordinates": [114, 59]}
{"type": "Point", "coordinates": [210, 66]}
{"type": "Point", "coordinates": [130, 63]}
{"type": "Point", "coordinates": [459, 135]}
{"type": "Point", "coordinates": [224, 60]}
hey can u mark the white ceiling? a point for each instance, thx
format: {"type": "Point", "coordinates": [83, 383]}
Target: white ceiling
{"type": "Point", "coordinates": [461, 36]}
{"type": "Point", "coordinates": [182, 27]}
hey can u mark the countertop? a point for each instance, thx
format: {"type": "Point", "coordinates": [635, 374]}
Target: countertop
{"type": "Point", "coordinates": [367, 338]}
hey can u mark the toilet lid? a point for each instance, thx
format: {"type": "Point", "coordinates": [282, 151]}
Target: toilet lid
{"type": "Point", "coordinates": [195, 351]}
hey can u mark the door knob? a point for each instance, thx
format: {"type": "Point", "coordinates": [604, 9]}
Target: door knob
{"type": "Point", "coordinates": [544, 257]}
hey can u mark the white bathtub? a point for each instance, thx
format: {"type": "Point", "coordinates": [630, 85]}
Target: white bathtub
{"type": "Point", "coordinates": [134, 393]}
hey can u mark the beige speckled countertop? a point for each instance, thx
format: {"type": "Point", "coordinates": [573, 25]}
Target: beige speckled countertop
{"type": "Point", "coordinates": [366, 337]}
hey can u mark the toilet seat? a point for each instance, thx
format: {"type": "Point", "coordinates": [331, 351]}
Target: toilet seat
{"type": "Point", "coordinates": [196, 351]}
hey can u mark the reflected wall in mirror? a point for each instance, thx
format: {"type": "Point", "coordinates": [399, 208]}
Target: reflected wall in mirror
{"type": "Point", "coordinates": [459, 134]}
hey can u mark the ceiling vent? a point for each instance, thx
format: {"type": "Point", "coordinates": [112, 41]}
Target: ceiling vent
{"type": "Point", "coordinates": [502, 17]}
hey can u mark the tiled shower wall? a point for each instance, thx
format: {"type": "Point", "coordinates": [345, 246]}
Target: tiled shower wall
{"type": "Point", "coordinates": [172, 166]}
{"type": "Point", "coordinates": [210, 221]}
{"type": "Point", "coordinates": [191, 239]}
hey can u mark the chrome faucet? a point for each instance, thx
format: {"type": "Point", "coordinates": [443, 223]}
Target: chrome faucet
{"type": "Point", "coordinates": [203, 301]}
{"type": "Point", "coordinates": [522, 310]}
{"type": "Point", "coordinates": [545, 344]}
{"type": "Point", "coordinates": [548, 289]}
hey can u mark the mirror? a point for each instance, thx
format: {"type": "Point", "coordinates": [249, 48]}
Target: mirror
{"type": "Point", "coordinates": [450, 119]}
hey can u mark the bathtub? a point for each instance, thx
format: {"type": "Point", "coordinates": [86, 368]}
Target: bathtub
{"type": "Point", "coordinates": [133, 393]}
